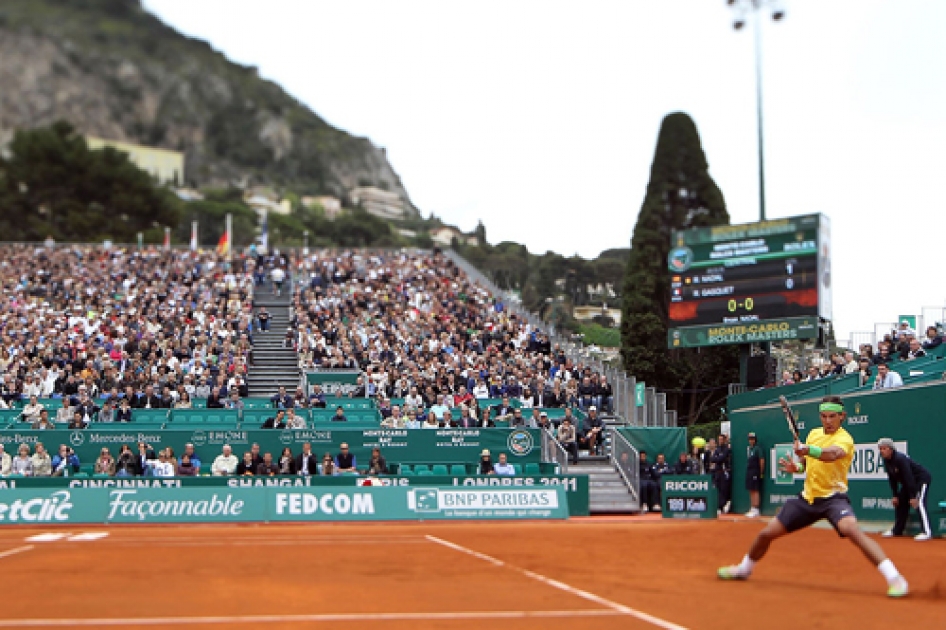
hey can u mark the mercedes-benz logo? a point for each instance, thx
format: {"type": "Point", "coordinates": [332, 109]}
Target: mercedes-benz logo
{"type": "Point", "coordinates": [77, 438]}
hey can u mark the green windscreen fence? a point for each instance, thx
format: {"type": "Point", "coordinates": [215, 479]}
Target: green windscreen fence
{"type": "Point", "coordinates": [670, 441]}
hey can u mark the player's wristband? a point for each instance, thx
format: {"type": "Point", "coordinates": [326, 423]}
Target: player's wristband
{"type": "Point", "coordinates": [800, 466]}
{"type": "Point", "coordinates": [814, 451]}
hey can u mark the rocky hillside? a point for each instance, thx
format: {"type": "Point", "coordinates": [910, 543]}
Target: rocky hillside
{"type": "Point", "coordinates": [115, 71]}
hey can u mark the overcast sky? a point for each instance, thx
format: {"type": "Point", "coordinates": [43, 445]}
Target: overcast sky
{"type": "Point", "coordinates": [540, 117]}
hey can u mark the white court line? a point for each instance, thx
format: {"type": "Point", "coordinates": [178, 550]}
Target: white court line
{"type": "Point", "coordinates": [257, 543]}
{"type": "Point", "coordinates": [87, 536]}
{"type": "Point", "coordinates": [11, 552]}
{"type": "Point", "coordinates": [50, 537]}
{"type": "Point", "coordinates": [391, 616]}
{"type": "Point", "coordinates": [619, 608]}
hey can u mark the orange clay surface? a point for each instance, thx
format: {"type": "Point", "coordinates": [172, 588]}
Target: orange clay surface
{"type": "Point", "coordinates": [585, 573]}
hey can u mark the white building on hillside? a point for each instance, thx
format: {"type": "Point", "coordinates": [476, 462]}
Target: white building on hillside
{"type": "Point", "coordinates": [382, 203]}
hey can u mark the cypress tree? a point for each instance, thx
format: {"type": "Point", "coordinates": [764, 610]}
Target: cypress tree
{"type": "Point", "coordinates": [680, 195]}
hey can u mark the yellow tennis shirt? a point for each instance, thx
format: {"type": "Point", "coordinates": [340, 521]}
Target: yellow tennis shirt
{"type": "Point", "coordinates": [827, 478]}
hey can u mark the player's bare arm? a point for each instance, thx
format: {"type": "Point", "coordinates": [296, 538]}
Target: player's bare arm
{"type": "Point", "coordinates": [827, 454]}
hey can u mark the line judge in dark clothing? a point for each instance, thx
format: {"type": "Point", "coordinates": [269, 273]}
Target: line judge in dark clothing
{"type": "Point", "coordinates": [910, 483]}
{"type": "Point", "coordinates": [345, 461]}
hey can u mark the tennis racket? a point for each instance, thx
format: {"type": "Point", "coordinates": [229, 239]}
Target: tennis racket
{"type": "Point", "coordinates": [790, 417]}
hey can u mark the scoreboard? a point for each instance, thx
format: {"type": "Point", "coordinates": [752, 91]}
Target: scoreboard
{"type": "Point", "coordinates": [763, 281]}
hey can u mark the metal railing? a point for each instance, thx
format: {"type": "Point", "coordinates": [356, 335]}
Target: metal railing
{"type": "Point", "coordinates": [553, 451]}
{"type": "Point", "coordinates": [627, 461]}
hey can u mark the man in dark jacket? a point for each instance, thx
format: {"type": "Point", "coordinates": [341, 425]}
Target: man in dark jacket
{"type": "Point", "coordinates": [276, 422]}
{"type": "Point", "coordinates": [648, 485]}
{"type": "Point", "coordinates": [910, 483]}
{"type": "Point", "coordinates": [306, 462]}
{"type": "Point", "coordinates": [592, 431]}
{"type": "Point", "coordinates": [722, 471]}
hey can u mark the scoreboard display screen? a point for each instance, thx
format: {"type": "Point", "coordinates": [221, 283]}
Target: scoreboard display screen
{"type": "Point", "coordinates": [745, 283]}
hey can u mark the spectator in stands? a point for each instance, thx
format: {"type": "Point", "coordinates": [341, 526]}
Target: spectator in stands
{"type": "Point", "coordinates": [915, 351]}
{"type": "Point", "coordinates": [933, 338]}
{"type": "Point", "coordinates": [282, 400]}
{"type": "Point", "coordinates": [486, 464]}
{"type": "Point", "coordinates": [192, 456]}
{"type": "Point", "coordinates": [396, 420]}
{"type": "Point", "coordinates": [149, 400]}
{"type": "Point", "coordinates": [32, 410]}
{"type": "Point", "coordinates": [43, 423]}
{"type": "Point", "coordinates": [863, 371]}
{"type": "Point", "coordinates": [786, 379]}
{"type": "Point", "coordinates": [126, 465]}
{"type": "Point", "coordinates": [146, 455]}
{"type": "Point", "coordinates": [345, 460]}
{"type": "Point", "coordinates": [162, 467]}
{"type": "Point", "coordinates": [5, 462]}
{"type": "Point", "coordinates": [42, 462]}
{"type": "Point", "coordinates": [813, 373]}
{"type": "Point", "coordinates": [77, 421]}
{"type": "Point", "coordinates": [430, 422]}
{"type": "Point", "coordinates": [225, 463]}
{"type": "Point", "coordinates": [185, 467]}
{"type": "Point", "coordinates": [104, 464]}
{"type": "Point", "coordinates": [661, 468]}
{"type": "Point", "coordinates": [317, 397]}
{"type": "Point", "coordinates": [438, 409]}
{"type": "Point", "coordinates": [64, 413]}
{"type": "Point", "coordinates": [883, 355]}
{"type": "Point", "coordinates": [377, 464]}
{"type": "Point", "coordinates": [263, 316]}
{"type": "Point", "coordinates": [107, 413]}
{"type": "Point", "coordinates": [447, 421]}
{"type": "Point", "coordinates": [339, 415]}
{"type": "Point", "coordinates": [276, 422]}
{"type": "Point", "coordinates": [294, 421]}
{"type": "Point", "coordinates": [307, 463]}
{"type": "Point", "coordinates": [287, 463]}
{"type": "Point", "coordinates": [587, 394]}
{"type": "Point", "coordinates": [605, 394]}
{"type": "Point", "coordinates": [124, 413]}
{"type": "Point", "coordinates": [592, 431]}
{"type": "Point", "coordinates": [567, 437]}
{"type": "Point", "coordinates": [65, 462]}
{"type": "Point", "coordinates": [648, 485]}
{"type": "Point", "coordinates": [504, 411]}
{"type": "Point", "coordinates": [850, 363]}
{"type": "Point", "coordinates": [797, 376]}
{"type": "Point", "coordinates": [328, 466]}
{"type": "Point", "coordinates": [481, 390]}
{"type": "Point", "coordinates": [22, 464]}
{"type": "Point", "coordinates": [267, 468]}
{"type": "Point", "coordinates": [503, 467]}
{"type": "Point", "coordinates": [234, 402]}
{"type": "Point", "coordinates": [886, 378]}
{"type": "Point", "coordinates": [518, 420]}
{"type": "Point", "coordinates": [246, 467]}
{"type": "Point", "coordinates": [184, 402]}
{"type": "Point", "coordinates": [202, 390]}
{"type": "Point", "coordinates": [414, 399]}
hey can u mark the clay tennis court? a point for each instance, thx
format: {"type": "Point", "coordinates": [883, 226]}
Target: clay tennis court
{"type": "Point", "coordinates": [586, 573]}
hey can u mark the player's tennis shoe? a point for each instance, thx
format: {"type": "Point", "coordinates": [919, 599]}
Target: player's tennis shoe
{"type": "Point", "coordinates": [734, 572]}
{"type": "Point", "coordinates": [921, 536]}
{"type": "Point", "coordinates": [899, 588]}
{"type": "Point", "coordinates": [887, 534]}
{"type": "Point", "coordinates": [753, 513]}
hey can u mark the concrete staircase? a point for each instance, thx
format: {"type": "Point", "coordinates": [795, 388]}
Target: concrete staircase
{"type": "Point", "coordinates": [608, 492]}
{"type": "Point", "coordinates": [273, 365]}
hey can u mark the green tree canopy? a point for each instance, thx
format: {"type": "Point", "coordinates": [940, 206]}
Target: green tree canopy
{"type": "Point", "coordinates": [681, 194]}
{"type": "Point", "coordinates": [51, 183]}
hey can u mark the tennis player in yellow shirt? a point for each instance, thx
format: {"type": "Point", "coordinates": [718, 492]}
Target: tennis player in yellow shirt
{"type": "Point", "coordinates": [826, 454]}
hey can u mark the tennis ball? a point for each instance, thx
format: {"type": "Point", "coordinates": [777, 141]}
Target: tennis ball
{"type": "Point", "coordinates": [698, 442]}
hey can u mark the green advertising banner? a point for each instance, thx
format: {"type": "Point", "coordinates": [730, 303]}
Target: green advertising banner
{"type": "Point", "coordinates": [438, 446]}
{"type": "Point", "coordinates": [724, 334]}
{"type": "Point", "coordinates": [671, 441]}
{"type": "Point", "coordinates": [575, 486]}
{"type": "Point", "coordinates": [277, 504]}
{"type": "Point", "coordinates": [909, 416]}
{"type": "Point", "coordinates": [688, 496]}
{"type": "Point", "coordinates": [334, 382]}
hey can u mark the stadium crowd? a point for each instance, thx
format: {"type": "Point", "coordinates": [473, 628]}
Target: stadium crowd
{"type": "Point", "coordinates": [422, 331]}
{"type": "Point", "coordinates": [111, 329]}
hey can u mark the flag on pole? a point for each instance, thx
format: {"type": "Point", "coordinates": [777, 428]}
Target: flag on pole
{"type": "Point", "coordinates": [194, 236]}
{"type": "Point", "coordinates": [223, 245]}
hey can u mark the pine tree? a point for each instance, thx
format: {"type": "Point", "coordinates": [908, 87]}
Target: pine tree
{"type": "Point", "coordinates": [681, 194]}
